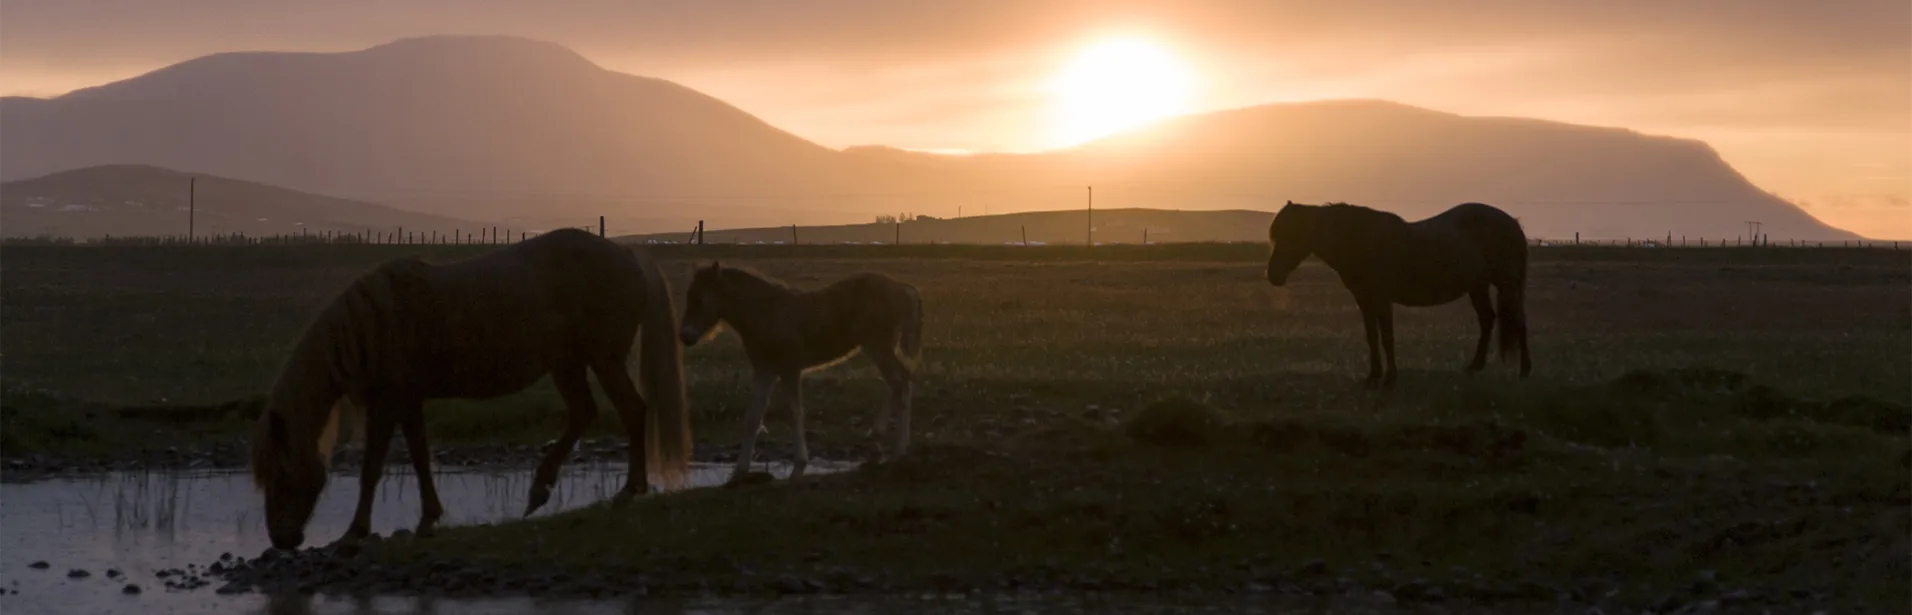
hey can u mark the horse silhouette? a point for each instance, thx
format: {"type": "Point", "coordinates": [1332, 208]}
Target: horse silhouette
{"type": "Point", "coordinates": [1384, 260]}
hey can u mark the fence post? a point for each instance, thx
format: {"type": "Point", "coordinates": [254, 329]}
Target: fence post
{"type": "Point", "coordinates": [1576, 238]}
{"type": "Point", "coordinates": [600, 226]}
{"type": "Point", "coordinates": [1025, 236]}
{"type": "Point", "coordinates": [793, 234]}
{"type": "Point", "coordinates": [899, 232]}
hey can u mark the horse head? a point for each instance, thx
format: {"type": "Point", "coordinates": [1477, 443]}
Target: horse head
{"type": "Point", "coordinates": [703, 309]}
{"type": "Point", "coordinates": [289, 468]}
{"type": "Point", "coordinates": [1290, 239]}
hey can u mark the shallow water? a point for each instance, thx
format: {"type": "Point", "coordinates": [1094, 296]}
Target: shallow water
{"type": "Point", "coordinates": [140, 523]}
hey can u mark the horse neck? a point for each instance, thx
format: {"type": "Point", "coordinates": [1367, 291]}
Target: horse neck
{"type": "Point", "coordinates": [751, 300]}
{"type": "Point", "coordinates": [309, 385]}
{"type": "Point", "coordinates": [1355, 245]}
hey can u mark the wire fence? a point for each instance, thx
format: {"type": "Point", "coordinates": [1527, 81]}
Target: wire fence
{"type": "Point", "coordinates": [480, 238]}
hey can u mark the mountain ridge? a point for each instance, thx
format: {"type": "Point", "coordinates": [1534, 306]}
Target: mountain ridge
{"type": "Point", "coordinates": [510, 128]}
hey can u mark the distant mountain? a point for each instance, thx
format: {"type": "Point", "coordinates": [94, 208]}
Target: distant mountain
{"type": "Point", "coordinates": [137, 200]}
{"type": "Point", "coordinates": [532, 133]}
{"type": "Point", "coordinates": [1113, 226]}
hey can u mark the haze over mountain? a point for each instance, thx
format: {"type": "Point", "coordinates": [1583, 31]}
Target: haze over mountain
{"type": "Point", "coordinates": [138, 200]}
{"type": "Point", "coordinates": [532, 134]}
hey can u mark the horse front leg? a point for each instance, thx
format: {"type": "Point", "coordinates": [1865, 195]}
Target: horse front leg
{"type": "Point", "coordinates": [1370, 323]}
{"type": "Point", "coordinates": [379, 421]}
{"type": "Point", "coordinates": [413, 426]}
{"type": "Point", "coordinates": [760, 392]}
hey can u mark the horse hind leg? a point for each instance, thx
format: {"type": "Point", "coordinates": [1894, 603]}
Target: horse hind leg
{"type": "Point", "coordinates": [1513, 325]}
{"type": "Point", "coordinates": [1484, 309]}
{"type": "Point", "coordinates": [790, 392]}
{"type": "Point", "coordinates": [632, 411]}
{"type": "Point", "coordinates": [895, 415]}
{"type": "Point", "coordinates": [575, 390]}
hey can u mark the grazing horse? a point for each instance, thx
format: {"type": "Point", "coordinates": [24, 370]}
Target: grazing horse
{"type": "Point", "coordinates": [406, 332]}
{"type": "Point", "coordinates": [787, 332]}
{"type": "Point", "coordinates": [1385, 260]}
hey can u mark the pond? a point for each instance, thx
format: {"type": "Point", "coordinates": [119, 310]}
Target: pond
{"type": "Point", "coordinates": [123, 529]}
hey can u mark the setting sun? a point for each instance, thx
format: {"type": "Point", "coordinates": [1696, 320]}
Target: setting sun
{"type": "Point", "coordinates": [1117, 85]}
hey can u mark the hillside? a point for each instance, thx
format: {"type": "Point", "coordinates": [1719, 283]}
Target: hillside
{"type": "Point", "coordinates": [532, 134]}
{"type": "Point", "coordinates": [1041, 227]}
{"type": "Point", "coordinates": [128, 200]}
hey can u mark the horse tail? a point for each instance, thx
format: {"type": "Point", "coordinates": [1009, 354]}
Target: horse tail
{"type": "Point", "coordinates": [661, 375]}
{"type": "Point", "coordinates": [912, 341]}
{"type": "Point", "coordinates": [1510, 311]}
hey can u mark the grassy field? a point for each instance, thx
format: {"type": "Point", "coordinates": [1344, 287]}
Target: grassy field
{"type": "Point", "coordinates": [1735, 410]}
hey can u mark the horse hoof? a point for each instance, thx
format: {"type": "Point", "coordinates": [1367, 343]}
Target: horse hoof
{"type": "Point", "coordinates": [625, 497]}
{"type": "Point", "coordinates": [749, 478]}
{"type": "Point", "coordinates": [539, 495]}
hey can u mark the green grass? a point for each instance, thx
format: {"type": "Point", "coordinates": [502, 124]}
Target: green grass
{"type": "Point", "coordinates": [1739, 410]}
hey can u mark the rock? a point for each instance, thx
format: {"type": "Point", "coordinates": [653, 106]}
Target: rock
{"type": "Point", "coordinates": [40, 565]}
{"type": "Point", "coordinates": [1737, 597]}
{"type": "Point", "coordinates": [1313, 567]}
{"type": "Point", "coordinates": [1705, 582]}
{"type": "Point", "coordinates": [113, 573]}
{"type": "Point", "coordinates": [77, 574]}
{"type": "Point", "coordinates": [235, 587]}
{"type": "Point", "coordinates": [130, 589]}
{"type": "Point", "coordinates": [1411, 590]}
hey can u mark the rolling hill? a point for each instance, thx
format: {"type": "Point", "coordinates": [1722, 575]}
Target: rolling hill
{"type": "Point", "coordinates": [532, 134]}
{"type": "Point", "coordinates": [1114, 226]}
{"type": "Point", "coordinates": [137, 200]}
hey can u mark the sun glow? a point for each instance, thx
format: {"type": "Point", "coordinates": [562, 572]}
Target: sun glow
{"type": "Point", "coordinates": [1117, 85]}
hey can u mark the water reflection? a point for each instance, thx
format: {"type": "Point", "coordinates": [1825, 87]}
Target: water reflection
{"type": "Point", "coordinates": [126, 528]}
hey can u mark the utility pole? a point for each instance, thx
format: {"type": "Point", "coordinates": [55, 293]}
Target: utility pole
{"type": "Point", "coordinates": [1089, 239]}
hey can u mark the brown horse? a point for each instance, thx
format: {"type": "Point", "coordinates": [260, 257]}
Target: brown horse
{"type": "Point", "coordinates": [1385, 260]}
{"type": "Point", "coordinates": [787, 332]}
{"type": "Point", "coordinates": [406, 332]}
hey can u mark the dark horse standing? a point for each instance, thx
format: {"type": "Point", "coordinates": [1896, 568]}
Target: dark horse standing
{"type": "Point", "coordinates": [567, 304]}
{"type": "Point", "coordinates": [1385, 260]}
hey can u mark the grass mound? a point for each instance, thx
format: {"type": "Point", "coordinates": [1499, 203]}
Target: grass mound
{"type": "Point", "coordinates": [1176, 422]}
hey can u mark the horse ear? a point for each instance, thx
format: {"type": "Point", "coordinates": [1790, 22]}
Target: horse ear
{"type": "Point", "coordinates": [1291, 202]}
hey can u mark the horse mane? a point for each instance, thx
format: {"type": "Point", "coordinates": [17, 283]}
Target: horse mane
{"type": "Point", "coordinates": [330, 360]}
{"type": "Point", "coordinates": [752, 283]}
{"type": "Point", "coordinates": [1346, 211]}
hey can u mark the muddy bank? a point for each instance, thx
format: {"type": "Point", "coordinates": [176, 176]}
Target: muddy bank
{"type": "Point", "coordinates": [1470, 514]}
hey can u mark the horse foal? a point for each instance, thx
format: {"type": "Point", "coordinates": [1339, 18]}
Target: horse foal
{"type": "Point", "coordinates": [787, 332]}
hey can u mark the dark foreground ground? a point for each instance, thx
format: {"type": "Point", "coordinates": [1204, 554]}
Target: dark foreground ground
{"type": "Point", "coordinates": [1705, 428]}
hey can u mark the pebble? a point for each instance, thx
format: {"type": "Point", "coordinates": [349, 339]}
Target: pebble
{"type": "Point", "coordinates": [130, 589]}
{"type": "Point", "coordinates": [40, 565]}
{"type": "Point", "coordinates": [78, 574]}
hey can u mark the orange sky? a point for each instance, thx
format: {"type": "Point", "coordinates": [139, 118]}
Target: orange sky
{"type": "Point", "coordinates": [1811, 100]}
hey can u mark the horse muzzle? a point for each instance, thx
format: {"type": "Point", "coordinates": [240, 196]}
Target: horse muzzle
{"type": "Point", "coordinates": [688, 337]}
{"type": "Point", "coordinates": [1277, 279]}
